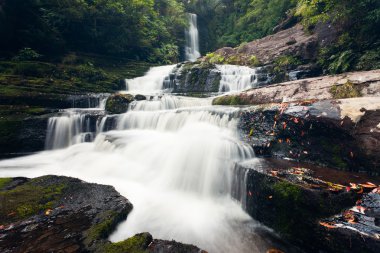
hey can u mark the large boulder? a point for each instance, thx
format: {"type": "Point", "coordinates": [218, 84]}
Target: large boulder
{"type": "Point", "coordinates": [118, 103]}
{"type": "Point", "coordinates": [61, 214]}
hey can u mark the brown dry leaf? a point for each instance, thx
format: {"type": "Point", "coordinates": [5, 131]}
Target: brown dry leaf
{"type": "Point", "coordinates": [11, 213]}
{"type": "Point", "coordinates": [327, 224]}
{"type": "Point", "coordinates": [350, 217]}
{"type": "Point", "coordinates": [368, 185]}
{"type": "Point", "coordinates": [274, 173]}
{"type": "Point", "coordinates": [48, 212]}
{"type": "Point", "coordinates": [274, 251]}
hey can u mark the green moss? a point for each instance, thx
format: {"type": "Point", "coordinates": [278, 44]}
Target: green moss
{"type": "Point", "coordinates": [118, 103]}
{"type": "Point", "coordinates": [229, 100]}
{"type": "Point", "coordinates": [28, 199]}
{"type": "Point", "coordinates": [347, 90]}
{"type": "Point", "coordinates": [4, 182]}
{"type": "Point", "coordinates": [287, 191]}
{"type": "Point", "coordinates": [254, 61]}
{"type": "Point", "coordinates": [136, 244]}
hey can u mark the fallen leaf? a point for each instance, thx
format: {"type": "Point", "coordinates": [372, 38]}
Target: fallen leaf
{"type": "Point", "coordinates": [270, 197]}
{"type": "Point", "coordinates": [274, 173]}
{"type": "Point", "coordinates": [48, 212]}
{"type": "Point", "coordinates": [274, 251]}
{"type": "Point", "coordinates": [327, 225]}
{"type": "Point", "coordinates": [368, 185]}
{"type": "Point", "coordinates": [11, 213]}
{"type": "Point", "coordinates": [352, 154]}
{"type": "Point", "coordinates": [358, 209]}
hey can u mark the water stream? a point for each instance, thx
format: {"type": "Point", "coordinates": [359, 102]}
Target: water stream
{"type": "Point", "coordinates": [172, 157]}
{"type": "Point", "coordinates": [192, 39]}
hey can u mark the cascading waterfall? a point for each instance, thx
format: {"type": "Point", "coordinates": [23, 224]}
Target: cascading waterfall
{"type": "Point", "coordinates": [192, 39]}
{"type": "Point", "coordinates": [236, 78]}
{"type": "Point", "coordinates": [172, 157]}
{"type": "Point", "coordinates": [152, 82]}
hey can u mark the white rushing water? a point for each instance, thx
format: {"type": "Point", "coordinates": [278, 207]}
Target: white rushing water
{"type": "Point", "coordinates": [172, 157]}
{"type": "Point", "coordinates": [192, 39]}
{"type": "Point", "coordinates": [152, 82]}
{"type": "Point", "coordinates": [236, 78]}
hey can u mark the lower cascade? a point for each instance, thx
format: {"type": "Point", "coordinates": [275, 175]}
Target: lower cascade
{"type": "Point", "coordinates": [172, 157]}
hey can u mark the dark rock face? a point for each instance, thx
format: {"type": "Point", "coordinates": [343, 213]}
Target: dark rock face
{"type": "Point", "coordinates": [295, 204]}
{"type": "Point", "coordinates": [195, 77]}
{"type": "Point", "coordinates": [316, 132]}
{"type": "Point", "coordinates": [72, 219]}
{"type": "Point", "coordinates": [22, 135]}
{"type": "Point", "coordinates": [60, 214]}
{"type": "Point", "coordinates": [139, 97]}
{"type": "Point", "coordinates": [118, 103]}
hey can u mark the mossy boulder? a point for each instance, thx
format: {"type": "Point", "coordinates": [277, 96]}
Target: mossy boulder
{"type": "Point", "coordinates": [118, 103]}
{"type": "Point", "coordinates": [76, 217]}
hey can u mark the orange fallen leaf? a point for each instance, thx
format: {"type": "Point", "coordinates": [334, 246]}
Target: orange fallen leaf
{"type": "Point", "coordinates": [48, 212]}
{"type": "Point", "coordinates": [274, 173]}
{"type": "Point", "coordinates": [368, 185]}
{"type": "Point", "coordinates": [274, 251]}
{"type": "Point", "coordinates": [279, 140]}
{"type": "Point", "coordinates": [287, 140]}
{"type": "Point", "coordinates": [327, 225]}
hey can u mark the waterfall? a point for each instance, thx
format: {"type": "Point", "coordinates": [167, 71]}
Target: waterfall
{"type": "Point", "coordinates": [192, 39]}
{"type": "Point", "coordinates": [236, 78]}
{"type": "Point", "coordinates": [153, 81]}
{"type": "Point", "coordinates": [173, 157]}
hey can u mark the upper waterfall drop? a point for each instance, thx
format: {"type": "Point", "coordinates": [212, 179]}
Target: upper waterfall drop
{"type": "Point", "coordinates": [192, 39]}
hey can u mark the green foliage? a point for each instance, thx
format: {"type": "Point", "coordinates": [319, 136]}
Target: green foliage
{"type": "Point", "coordinates": [128, 28]}
{"type": "Point", "coordinates": [369, 60]}
{"type": "Point", "coordinates": [231, 23]}
{"type": "Point", "coordinates": [254, 61]}
{"type": "Point", "coordinates": [358, 22]}
{"type": "Point", "coordinates": [26, 54]}
{"type": "Point", "coordinates": [215, 58]}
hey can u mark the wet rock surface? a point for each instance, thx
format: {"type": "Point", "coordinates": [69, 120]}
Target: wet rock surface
{"type": "Point", "coordinates": [194, 77]}
{"type": "Point", "coordinates": [348, 85]}
{"type": "Point", "coordinates": [61, 214]}
{"type": "Point", "coordinates": [118, 103]}
{"type": "Point", "coordinates": [322, 132]}
{"type": "Point", "coordinates": [296, 203]}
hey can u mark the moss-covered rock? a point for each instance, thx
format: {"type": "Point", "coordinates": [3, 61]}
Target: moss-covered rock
{"type": "Point", "coordinates": [118, 103]}
{"type": "Point", "coordinates": [74, 215]}
{"type": "Point", "coordinates": [346, 90]}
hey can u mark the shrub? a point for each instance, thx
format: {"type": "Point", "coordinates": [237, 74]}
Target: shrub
{"type": "Point", "coordinates": [27, 54]}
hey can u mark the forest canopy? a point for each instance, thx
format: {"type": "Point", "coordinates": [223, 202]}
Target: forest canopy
{"type": "Point", "coordinates": [150, 30]}
{"type": "Point", "coordinates": [153, 30]}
